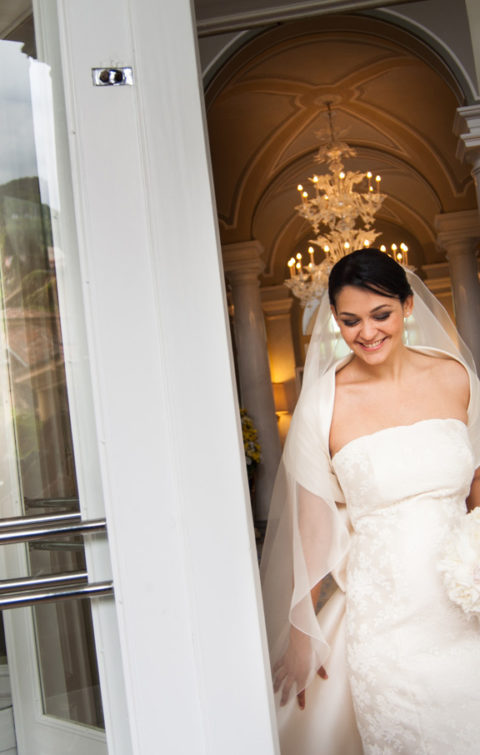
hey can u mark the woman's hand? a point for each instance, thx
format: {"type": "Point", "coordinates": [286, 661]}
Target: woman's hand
{"type": "Point", "coordinates": [301, 695]}
{"type": "Point", "coordinates": [293, 668]}
{"type": "Point", "coordinates": [473, 499]}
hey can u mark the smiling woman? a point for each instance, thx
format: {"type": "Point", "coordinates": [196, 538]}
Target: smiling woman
{"type": "Point", "coordinates": [380, 387]}
{"type": "Point", "coordinates": [369, 323]}
{"type": "Point", "coordinates": [381, 463]}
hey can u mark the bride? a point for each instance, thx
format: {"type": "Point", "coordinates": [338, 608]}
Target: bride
{"type": "Point", "coordinates": [381, 463]}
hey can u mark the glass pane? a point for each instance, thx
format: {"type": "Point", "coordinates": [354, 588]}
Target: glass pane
{"type": "Point", "coordinates": [29, 206]}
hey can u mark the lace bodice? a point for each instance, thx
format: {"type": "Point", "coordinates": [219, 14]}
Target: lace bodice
{"type": "Point", "coordinates": [430, 459]}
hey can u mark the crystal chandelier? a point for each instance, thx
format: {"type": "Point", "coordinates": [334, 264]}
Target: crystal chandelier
{"type": "Point", "coordinates": [398, 253]}
{"type": "Point", "coordinates": [340, 213]}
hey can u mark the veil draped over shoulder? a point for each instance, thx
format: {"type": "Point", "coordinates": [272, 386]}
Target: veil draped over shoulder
{"type": "Point", "coordinates": [308, 534]}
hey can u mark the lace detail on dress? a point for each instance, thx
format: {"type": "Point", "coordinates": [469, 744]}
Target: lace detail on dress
{"type": "Point", "coordinates": [413, 656]}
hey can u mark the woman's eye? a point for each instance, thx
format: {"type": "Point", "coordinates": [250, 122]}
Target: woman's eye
{"type": "Point", "coordinates": [350, 323]}
{"type": "Point", "coordinates": [383, 316]}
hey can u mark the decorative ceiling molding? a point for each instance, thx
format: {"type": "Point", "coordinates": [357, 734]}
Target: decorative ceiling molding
{"type": "Point", "coordinates": [221, 16]}
{"type": "Point", "coordinates": [394, 101]}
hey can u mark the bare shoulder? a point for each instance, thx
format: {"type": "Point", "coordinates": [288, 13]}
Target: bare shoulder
{"type": "Point", "coordinates": [348, 376]}
{"type": "Point", "coordinates": [448, 374]}
{"type": "Point", "coordinates": [455, 374]}
{"type": "Point", "coordinates": [448, 368]}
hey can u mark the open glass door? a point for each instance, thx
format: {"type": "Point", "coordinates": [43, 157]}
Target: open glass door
{"type": "Point", "coordinates": [137, 341]}
{"type": "Point", "coordinates": [51, 646]}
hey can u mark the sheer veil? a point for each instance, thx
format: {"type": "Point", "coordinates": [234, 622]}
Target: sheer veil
{"type": "Point", "coordinates": [308, 534]}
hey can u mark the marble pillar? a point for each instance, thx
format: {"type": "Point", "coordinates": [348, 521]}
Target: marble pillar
{"type": "Point", "coordinates": [458, 234]}
{"type": "Point", "coordinates": [243, 264]}
{"type": "Point", "coordinates": [467, 128]}
{"type": "Point", "coordinates": [437, 279]}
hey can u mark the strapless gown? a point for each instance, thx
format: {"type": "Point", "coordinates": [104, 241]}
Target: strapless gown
{"type": "Point", "coordinates": [413, 657]}
{"type": "Point", "coordinates": [409, 657]}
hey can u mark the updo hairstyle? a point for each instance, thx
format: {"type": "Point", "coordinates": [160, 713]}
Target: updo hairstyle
{"type": "Point", "coordinates": [370, 269]}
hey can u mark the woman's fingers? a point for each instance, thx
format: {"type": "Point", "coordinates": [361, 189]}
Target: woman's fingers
{"type": "Point", "coordinates": [280, 675]}
{"type": "Point", "coordinates": [321, 672]}
{"type": "Point", "coordinates": [278, 666]}
{"type": "Point", "coordinates": [287, 686]}
{"type": "Point", "coordinates": [301, 695]}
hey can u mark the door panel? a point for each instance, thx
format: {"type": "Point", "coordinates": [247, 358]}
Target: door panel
{"type": "Point", "coordinates": [43, 443]}
{"type": "Point", "coordinates": [147, 284]}
{"type": "Point", "coordinates": [52, 647]}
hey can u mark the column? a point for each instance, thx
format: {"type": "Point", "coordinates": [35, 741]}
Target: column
{"type": "Point", "coordinates": [437, 279]}
{"type": "Point", "coordinates": [458, 234]}
{"type": "Point", "coordinates": [243, 264]}
{"type": "Point", "coordinates": [467, 128]}
{"type": "Point", "coordinates": [473, 12]}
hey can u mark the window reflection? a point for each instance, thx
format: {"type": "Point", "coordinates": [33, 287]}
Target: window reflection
{"type": "Point", "coordinates": [36, 373]}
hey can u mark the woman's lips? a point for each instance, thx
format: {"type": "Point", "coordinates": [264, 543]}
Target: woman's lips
{"type": "Point", "coordinates": [374, 346]}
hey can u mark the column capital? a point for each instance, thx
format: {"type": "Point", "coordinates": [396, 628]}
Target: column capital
{"type": "Point", "coordinates": [243, 261]}
{"type": "Point", "coordinates": [438, 281]}
{"type": "Point", "coordinates": [437, 278]}
{"type": "Point", "coordinates": [457, 231]}
{"type": "Point", "coordinates": [276, 300]}
{"type": "Point", "coordinates": [467, 127]}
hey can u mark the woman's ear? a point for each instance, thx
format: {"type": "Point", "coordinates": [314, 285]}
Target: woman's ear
{"type": "Point", "coordinates": [334, 313]}
{"type": "Point", "coordinates": [408, 306]}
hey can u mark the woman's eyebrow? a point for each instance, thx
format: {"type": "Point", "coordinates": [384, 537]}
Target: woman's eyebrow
{"type": "Point", "coordinates": [375, 309]}
{"type": "Point", "coordinates": [380, 306]}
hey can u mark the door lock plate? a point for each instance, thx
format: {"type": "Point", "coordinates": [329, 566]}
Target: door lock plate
{"type": "Point", "coordinates": [110, 77]}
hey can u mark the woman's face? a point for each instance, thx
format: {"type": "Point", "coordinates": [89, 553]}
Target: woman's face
{"type": "Point", "coordinates": [370, 324]}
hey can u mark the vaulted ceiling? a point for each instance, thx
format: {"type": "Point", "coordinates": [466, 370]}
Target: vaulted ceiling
{"type": "Point", "coordinates": [394, 100]}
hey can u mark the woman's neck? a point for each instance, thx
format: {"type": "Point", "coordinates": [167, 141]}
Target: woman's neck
{"type": "Point", "coordinates": [392, 369]}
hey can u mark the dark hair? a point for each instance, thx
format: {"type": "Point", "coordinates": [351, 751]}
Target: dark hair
{"type": "Point", "coordinates": [370, 269]}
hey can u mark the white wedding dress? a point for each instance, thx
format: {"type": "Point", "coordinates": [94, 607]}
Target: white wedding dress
{"type": "Point", "coordinates": [409, 655]}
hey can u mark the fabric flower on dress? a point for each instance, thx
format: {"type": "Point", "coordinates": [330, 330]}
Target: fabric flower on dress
{"type": "Point", "coordinates": [461, 564]}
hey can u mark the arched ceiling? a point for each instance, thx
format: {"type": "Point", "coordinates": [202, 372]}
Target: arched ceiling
{"type": "Point", "coordinates": [394, 101]}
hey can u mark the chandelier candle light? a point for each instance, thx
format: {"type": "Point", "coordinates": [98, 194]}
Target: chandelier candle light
{"type": "Point", "coordinates": [399, 253]}
{"type": "Point", "coordinates": [340, 214]}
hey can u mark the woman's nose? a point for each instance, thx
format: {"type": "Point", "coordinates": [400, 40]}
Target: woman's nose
{"type": "Point", "coordinates": [368, 330]}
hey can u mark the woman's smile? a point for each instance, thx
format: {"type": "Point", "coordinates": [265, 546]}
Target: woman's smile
{"type": "Point", "coordinates": [374, 346]}
{"type": "Point", "coordinates": [371, 324]}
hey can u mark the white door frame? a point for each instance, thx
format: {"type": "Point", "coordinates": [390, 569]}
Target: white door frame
{"type": "Point", "coordinates": [176, 499]}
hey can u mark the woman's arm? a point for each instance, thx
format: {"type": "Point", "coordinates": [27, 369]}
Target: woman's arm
{"type": "Point", "coordinates": [473, 499]}
{"type": "Point", "coordinates": [286, 669]}
{"type": "Point", "coordinates": [315, 593]}
{"type": "Point", "coordinates": [317, 525]}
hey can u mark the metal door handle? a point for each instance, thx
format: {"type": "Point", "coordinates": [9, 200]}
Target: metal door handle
{"type": "Point", "coordinates": [28, 597]}
{"type": "Point", "coordinates": [28, 591]}
{"type": "Point", "coordinates": [20, 533]}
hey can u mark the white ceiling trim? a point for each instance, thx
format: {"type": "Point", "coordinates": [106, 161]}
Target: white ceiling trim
{"type": "Point", "coordinates": [237, 19]}
{"type": "Point", "coordinates": [12, 14]}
